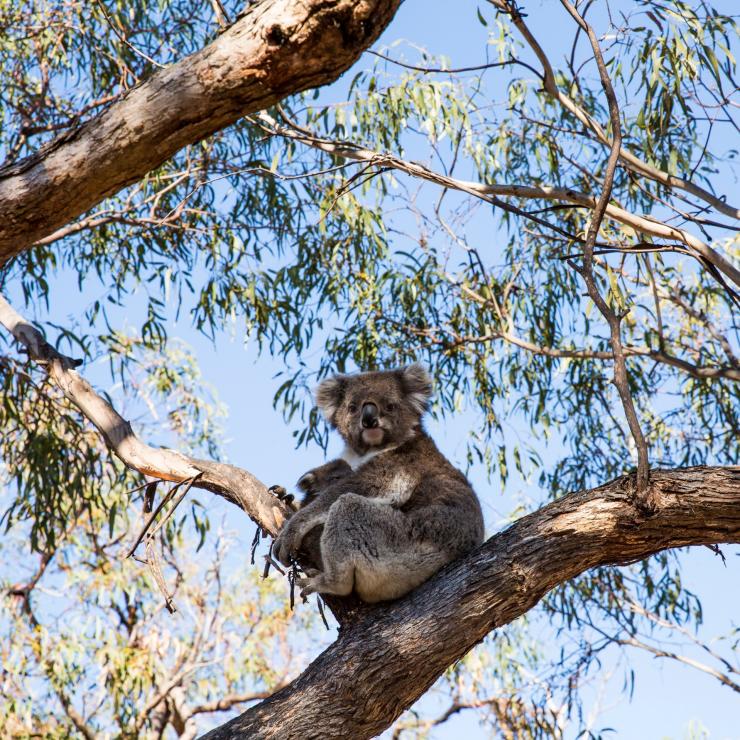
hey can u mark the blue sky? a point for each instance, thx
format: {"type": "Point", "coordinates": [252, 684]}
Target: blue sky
{"type": "Point", "coordinates": [667, 697]}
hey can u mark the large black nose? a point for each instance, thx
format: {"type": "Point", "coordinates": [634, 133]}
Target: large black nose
{"type": "Point", "coordinates": [369, 416]}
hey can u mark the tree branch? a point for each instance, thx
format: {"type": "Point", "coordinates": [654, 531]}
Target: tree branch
{"type": "Point", "coordinates": [276, 48]}
{"type": "Point", "coordinates": [386, 660]}
{"type": "Point", "coordinates": [631, 161]}
{"type": "Point", "coordinates": [490, 192]}
{"type": "Point", "coordinates": [613, 319]}
{"type": "Point", "coordinates": [232, 483]}
{"type": "Point", "coordinates": [660, 356]}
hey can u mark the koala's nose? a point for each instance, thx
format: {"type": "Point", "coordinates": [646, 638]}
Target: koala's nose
{"type": "Point", "coordinates": [369, 416]}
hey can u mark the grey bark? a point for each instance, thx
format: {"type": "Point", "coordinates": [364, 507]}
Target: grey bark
{"type": "Point", "coordinates": [277, 48]}
{"type": "Point", "coordinates": [386, 659]}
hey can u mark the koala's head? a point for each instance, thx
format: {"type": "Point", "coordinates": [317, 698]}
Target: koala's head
{"type": "Point", "coordinates": [377, 409]}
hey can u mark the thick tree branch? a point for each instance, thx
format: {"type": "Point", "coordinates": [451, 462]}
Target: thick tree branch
{"type": "Point", "coordinates": [234, 484]}
{"type": "Point", "coordinates": [278, 47]}
{"type": "Point", "coordinates": [386, 660]}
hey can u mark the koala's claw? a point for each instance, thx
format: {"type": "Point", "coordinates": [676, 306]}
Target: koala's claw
{"type": "Point", "coordinates": [309, 585]}
{"type": "Point", "coordinates": [281, 493]}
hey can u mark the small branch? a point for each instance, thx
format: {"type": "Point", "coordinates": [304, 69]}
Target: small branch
{"type": "Point", "coordinates": [723, 678]}
{"type": "Point", "coordinates": [631, 161]}
{"type": "Point", "coordinates": [225, 703]}
{"type": "Point", "coordinates": [234, 484]}
{"type": "Point", "coordinates": [123, 38]}
{"type": "Point", "coordinates": [491, 192]}
{"type": "Point", "coordinates": [442, 70]}
{"type": "Point", "coordinates": [159, 508]}
{"type": "Point", "coordinates": [152, 561]}
{"type": "Point", "coordinates": [621, 380]}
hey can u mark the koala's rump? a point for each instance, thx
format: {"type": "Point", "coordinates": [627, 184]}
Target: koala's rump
{"type": "Point", "coordinates": [397, 573]}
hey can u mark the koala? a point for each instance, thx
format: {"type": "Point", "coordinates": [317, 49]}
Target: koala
{"type": "Point", "coordinates": [393, 509]}
{"type": "Point", "coordinates": [312, 483]}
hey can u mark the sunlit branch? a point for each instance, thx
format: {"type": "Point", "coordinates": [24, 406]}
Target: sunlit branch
{"type": "Point", "coordinates": [453, 70]}
{"type": "Point", "coordinates": [230, 482]}
{"type": "Point", "coordinates": [722, 677]}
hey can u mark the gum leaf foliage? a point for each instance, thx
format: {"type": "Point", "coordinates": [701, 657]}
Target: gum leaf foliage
{"type": "Point", "coordinates": [333, 265]}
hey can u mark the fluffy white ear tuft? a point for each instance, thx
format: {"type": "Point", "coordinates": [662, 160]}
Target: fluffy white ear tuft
{"type": "Point", "coordinates": [417, 385]}
{"type": "Point", "coordinates": [329, 394]}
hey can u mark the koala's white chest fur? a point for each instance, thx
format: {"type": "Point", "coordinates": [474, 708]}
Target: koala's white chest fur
{"type": "Point", "coordinates": [399, 486]}
{"type": "Point", "coordinates": [356, 461]}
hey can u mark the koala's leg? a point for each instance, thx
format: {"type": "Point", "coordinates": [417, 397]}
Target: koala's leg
{"type": "Point", "coordinates": [367, 545]}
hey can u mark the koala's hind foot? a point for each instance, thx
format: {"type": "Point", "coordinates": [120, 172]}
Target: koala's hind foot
{"type": "Point", "coordinates": [318, 583]}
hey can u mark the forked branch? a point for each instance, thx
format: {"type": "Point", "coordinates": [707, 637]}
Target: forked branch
{"type": "Point", "coordinates": [613, 319]}
{"type": "Point", "coordinates": [232, 483]}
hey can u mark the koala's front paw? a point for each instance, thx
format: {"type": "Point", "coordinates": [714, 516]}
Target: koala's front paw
{"type": "Point", "coordinates": [281, 494]}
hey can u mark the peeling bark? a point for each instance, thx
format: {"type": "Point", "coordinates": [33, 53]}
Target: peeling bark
{"type": "Point", "coordinates": [275, 49]}
{"type": "Point", "coordinates": [393, 653]}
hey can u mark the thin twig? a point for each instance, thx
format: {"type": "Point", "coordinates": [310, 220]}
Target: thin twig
{"type": "Point", "coordinates": [153, 516]}
{"type": "Point", "coordinates": [110, 23]}
{"type": "Point", "coordinates": [442, 70]}
{"type": "Point", "coordinates": [156, 571]}
{"type": "Point", "coordinates": [175, 504]}
{"type": "Point", "coordinates": [644, 495]}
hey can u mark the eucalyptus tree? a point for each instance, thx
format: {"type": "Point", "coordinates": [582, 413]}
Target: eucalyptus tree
{"type": "Point", "coordinates": [551, 230]}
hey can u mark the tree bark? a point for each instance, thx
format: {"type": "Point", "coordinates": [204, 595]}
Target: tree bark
{"type": "Point", "coordinates": [277, 48]}
{"type": "Point", "coordinates": [388, 655]}
{"type": "Point", "coordinates": [393, 653]}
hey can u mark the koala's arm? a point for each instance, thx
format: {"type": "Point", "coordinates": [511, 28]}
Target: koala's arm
{"type": "Point", "coordinates": [316, 480]}
{"type": "Point", "coordinates": [288, 541]}
{"type": "Point", "coordinates": [445, 511]}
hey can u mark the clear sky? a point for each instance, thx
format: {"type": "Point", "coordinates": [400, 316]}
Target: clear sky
{"type": "Point", "coordinates": [667, 696]}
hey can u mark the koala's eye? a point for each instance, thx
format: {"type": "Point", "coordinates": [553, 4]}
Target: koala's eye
{"type": "Point", "coordinates": [391, 406]}
{"type": "Point", "coordinates": [352, 408]}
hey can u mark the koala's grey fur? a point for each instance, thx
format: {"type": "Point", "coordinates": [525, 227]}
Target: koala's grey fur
{"type": "Point", "coordinates": [393, 510]}
{"type": "Point", "coordinates": [311, 484]}
{"type": "Point", "coordinates": [316, 480]}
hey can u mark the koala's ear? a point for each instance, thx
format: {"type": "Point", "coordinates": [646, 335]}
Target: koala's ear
{"type": "Point", "coordinates": [417, 386]}
{"type": "Point", "coordinates": [329, 394]}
